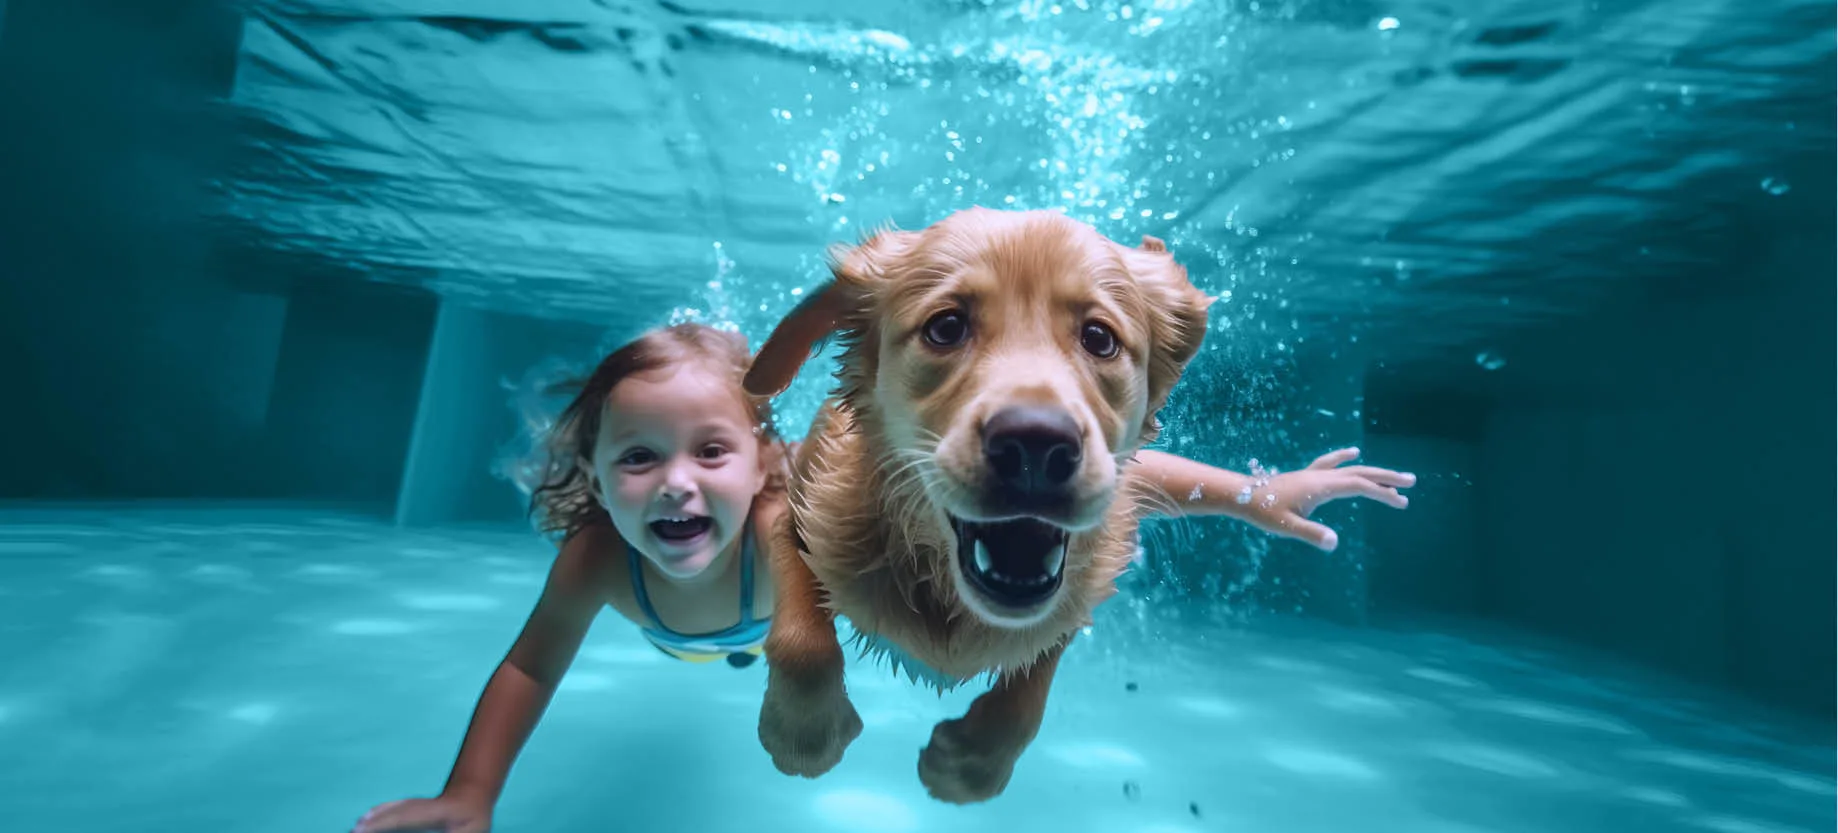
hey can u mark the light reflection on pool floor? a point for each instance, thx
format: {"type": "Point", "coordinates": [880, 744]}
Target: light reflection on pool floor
{"type": "Point", "coordinates": [217, 670]}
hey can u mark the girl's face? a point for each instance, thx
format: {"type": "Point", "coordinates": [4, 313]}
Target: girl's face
{"type": "Point", "coordinates": [677, 465]}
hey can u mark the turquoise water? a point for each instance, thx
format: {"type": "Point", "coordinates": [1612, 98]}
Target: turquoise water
{"type": "Point", "coordinates": [280, 278]}
{"type": "Point", "coordinates": [282, 671]}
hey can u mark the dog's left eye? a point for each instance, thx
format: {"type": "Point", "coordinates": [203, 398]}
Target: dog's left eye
{"type": "Point", "coordinates": [946, 329]}
{"type": "Point", "coordinates": [1098, 340]}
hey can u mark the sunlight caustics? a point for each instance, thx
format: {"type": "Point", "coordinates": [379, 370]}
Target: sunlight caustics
{"type": "Point", "coordinates": [1138, 738]}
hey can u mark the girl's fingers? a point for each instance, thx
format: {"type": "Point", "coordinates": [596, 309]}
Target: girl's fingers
{"type": "Point", "coordinates": [1383, 477]}
{"type": "Point", "coordinates": [1361, 487]}
{"type": "Point", "coordinates": [404, 816]}
{"type": "Point", "coordinates": [1334, 458]}
{"type": "Point", "coordinates": [1307, 531]}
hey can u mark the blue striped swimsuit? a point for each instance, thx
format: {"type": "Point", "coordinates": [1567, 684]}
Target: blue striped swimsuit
{"type": "Point", "coordinates": [739, 643]}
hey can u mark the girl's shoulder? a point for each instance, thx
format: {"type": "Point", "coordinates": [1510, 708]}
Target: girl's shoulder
{"type": "Point", "coordinates": [595, 557]}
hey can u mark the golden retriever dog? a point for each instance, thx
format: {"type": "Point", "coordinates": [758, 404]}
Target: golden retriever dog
{"type": "Point", "coordinates": [964, 497]}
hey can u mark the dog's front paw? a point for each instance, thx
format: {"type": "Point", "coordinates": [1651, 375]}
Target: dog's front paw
{"type": "Point", "coordinates": [805, 725]}
{"type": "Point", "coordinates": [968, 760]}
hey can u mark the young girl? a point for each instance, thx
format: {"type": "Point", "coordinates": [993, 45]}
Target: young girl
{"type": "Point", "coordinates": [661, 475]}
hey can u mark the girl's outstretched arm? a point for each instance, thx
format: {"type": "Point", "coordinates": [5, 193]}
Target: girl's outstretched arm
{"type": "Point", "coordinates": [1175, 486]}
{"type": "Point", "coordinates": [513, 701]}
{"type": "Point", "coordinates": [1279, 504]}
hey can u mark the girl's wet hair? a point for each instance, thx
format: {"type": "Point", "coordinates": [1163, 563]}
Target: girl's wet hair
{"type": "Point", "coordinates": [565, 502]}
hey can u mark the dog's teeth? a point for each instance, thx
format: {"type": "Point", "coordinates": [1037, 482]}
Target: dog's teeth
{"type": "Point", "coordinates": [1056, 559]}
{"type": "Point", "coordinates": [983, 563]}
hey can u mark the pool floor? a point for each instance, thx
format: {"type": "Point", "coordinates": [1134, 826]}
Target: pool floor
{"type": "Point", "coordinates": [226, 669]}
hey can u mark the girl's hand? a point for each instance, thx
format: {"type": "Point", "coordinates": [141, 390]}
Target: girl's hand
{"type": "Point", "coordinates": [1281, 505]}
{"type": "Point", "coordinates": [446, 814]}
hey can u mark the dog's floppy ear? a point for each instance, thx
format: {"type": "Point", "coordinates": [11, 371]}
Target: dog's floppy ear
{"type": "Point", "coordinates": [1177, 311]}
{"type": "Point", "coordinates": [791, 342]}
{"type": "Point", "coordinates": [856, 272]}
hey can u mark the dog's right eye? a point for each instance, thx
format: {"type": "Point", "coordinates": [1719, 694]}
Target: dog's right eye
{"type": "Point", "coordinates": [1099, 340]}
{"type": "Point", "coordinates": [946, 329]}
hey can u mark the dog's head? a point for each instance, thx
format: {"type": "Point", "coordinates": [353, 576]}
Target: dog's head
{"type": "Point", "coordinates": [1008, 362]}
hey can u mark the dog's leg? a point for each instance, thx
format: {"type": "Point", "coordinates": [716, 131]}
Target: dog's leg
{"type": "Point", "coordinates": [806, 719]}
{"type": "Point", "coordinates": [971, 758]}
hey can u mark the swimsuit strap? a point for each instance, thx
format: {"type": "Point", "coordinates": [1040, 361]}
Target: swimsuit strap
{"type": "Point", "coordinates": [746, 577]}
{"type": "Point", "coordinates": [636, 560]}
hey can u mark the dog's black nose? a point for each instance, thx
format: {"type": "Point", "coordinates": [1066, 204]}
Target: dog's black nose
{"type": "Point", "coordinates": [1032, 449]}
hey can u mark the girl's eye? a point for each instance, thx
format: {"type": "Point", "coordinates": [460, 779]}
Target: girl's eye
{"type": "Point", "coordinates": [637, 457]}
{"type": "Point", "coordinates": [713, 452]}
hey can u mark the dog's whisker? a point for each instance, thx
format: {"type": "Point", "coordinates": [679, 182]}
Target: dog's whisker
{"type": "Point", "coordinates": [918, 463]}
{"type": "Point", "coordinates": [899, 458]}
{"type": "Point", "coordinates": [1146, 504]}
{"type": "Point", "coordinates": [1143, 495]}
{"type": "Point", "coordinates": [1161, 499]}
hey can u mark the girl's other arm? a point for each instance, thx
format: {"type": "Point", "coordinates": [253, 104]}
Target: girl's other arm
{"type": "Point", "coordinates": [514, 699]}
{"type": "Point", "coordinates": [1279, 505]}
{"type": "Point", "coordinates": [519, 691]}
{"type": "Point", "coordinates": [1176, 486]}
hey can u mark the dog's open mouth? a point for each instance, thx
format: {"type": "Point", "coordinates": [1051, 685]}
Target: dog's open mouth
{"type": "Point", "coordinates": [1016, 563]}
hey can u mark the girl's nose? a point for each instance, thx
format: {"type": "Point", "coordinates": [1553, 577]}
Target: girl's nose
{"type": "Point", "coordinates": [678, 481]}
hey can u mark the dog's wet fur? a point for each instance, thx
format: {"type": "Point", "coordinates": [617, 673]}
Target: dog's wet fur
{"type": "Point", "coordinates": [964, 497]}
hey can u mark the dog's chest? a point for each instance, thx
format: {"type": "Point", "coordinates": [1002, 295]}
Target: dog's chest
{"type": "Point", "coordinates": [889, 597]}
